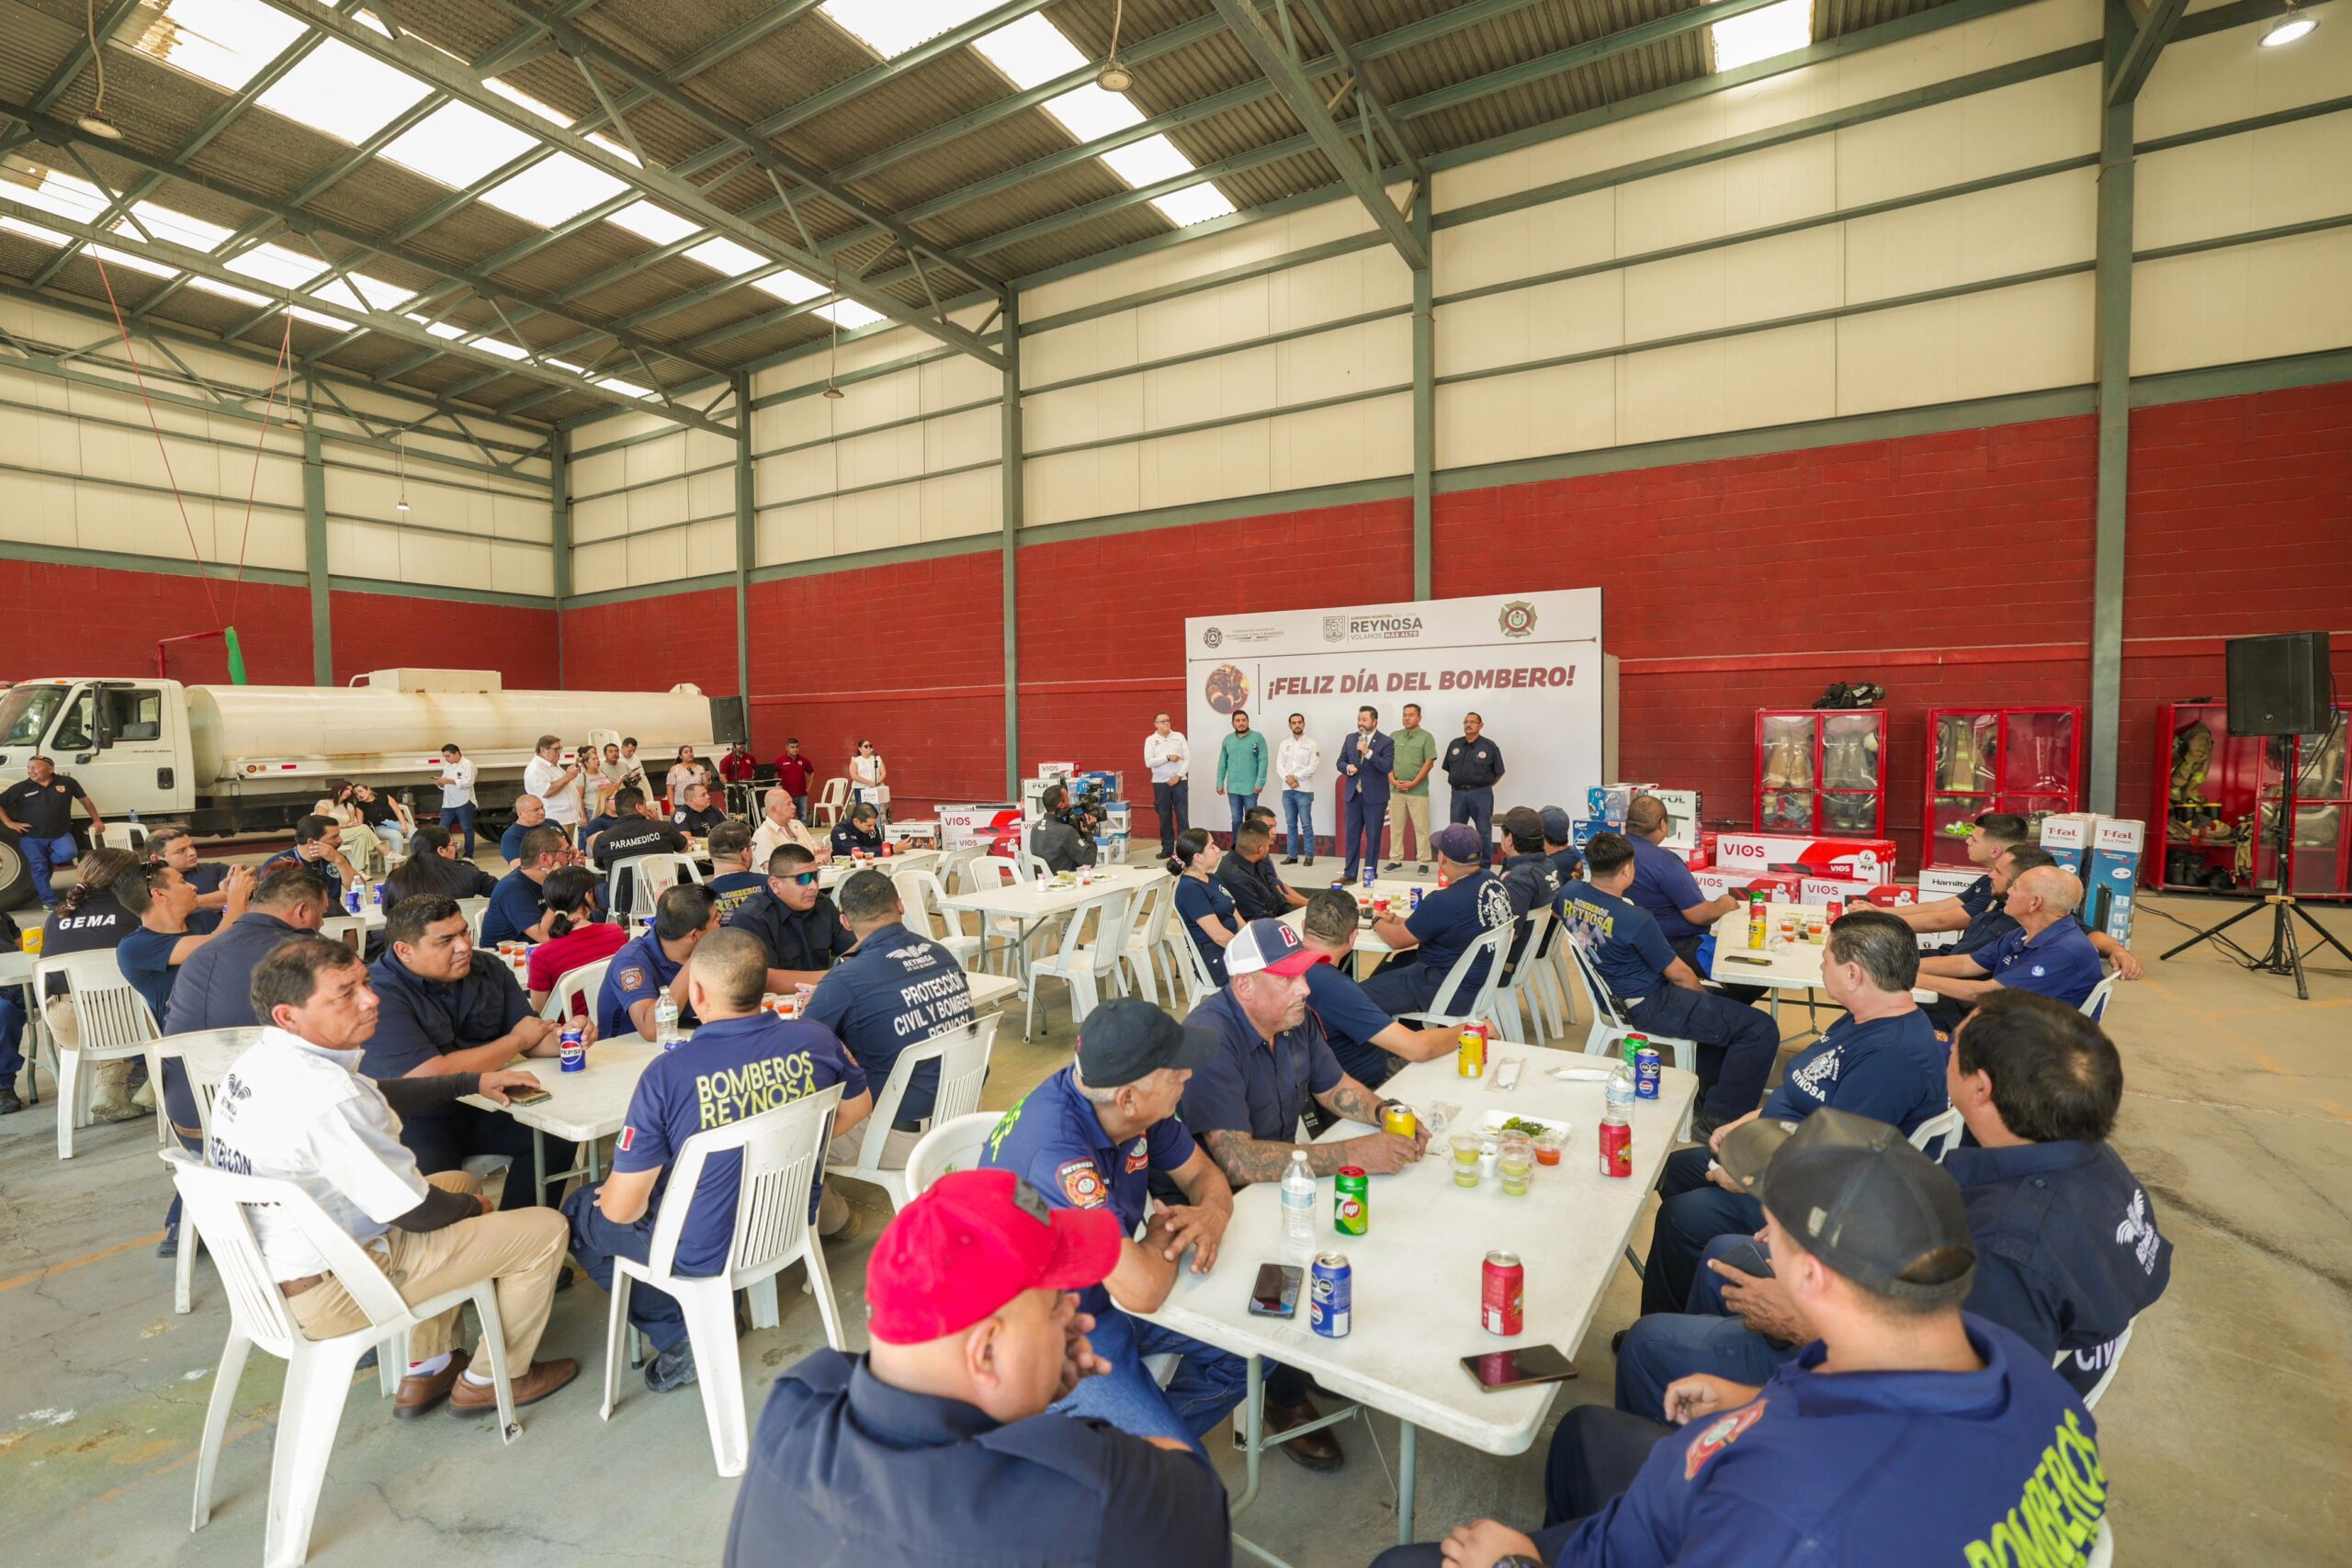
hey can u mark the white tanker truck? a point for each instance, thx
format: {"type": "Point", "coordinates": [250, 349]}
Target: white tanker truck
{"type": "Point", "coordinates": [223, 760]}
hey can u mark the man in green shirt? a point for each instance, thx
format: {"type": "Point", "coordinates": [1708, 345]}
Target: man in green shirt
{"type": "Point", "coordinates": [1241, 764]}
{"type": "Point", "coordinates": [1415, 755]}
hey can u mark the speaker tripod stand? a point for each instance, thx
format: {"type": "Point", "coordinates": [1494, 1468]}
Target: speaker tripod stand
{"type": "Point", "coordinates": [2285, 953]}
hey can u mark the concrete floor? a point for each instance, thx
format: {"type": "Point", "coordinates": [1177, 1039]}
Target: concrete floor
{"type": "Point", "coordinates": [2225, 1434]}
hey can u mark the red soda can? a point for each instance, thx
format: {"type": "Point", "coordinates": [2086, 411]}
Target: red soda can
{"type": "Point", "coordinates": [1836, 909]}
{"type": "Point", "coordinates": [1502, 1294]}
{"type": "Point", "coordinates": [1616, 1148]}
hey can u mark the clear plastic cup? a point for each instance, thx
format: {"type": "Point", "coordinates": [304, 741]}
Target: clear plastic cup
{"type": "Point", "coordinates": [1548, 1148]}
{"type": "Point", "coordinates": [1515, 1162]}
{"type": "Point", "coordinates": [1469, 1149]}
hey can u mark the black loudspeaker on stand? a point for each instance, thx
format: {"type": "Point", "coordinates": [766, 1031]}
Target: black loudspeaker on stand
{"type": "Point", "coordinates": [2278, 685]}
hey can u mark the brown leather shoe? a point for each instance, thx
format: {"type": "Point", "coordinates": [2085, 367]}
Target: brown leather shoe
{"type": "Point", "coordinates": [543, 1378]}
{"type": "Point", "coordinates": [420, 1391]}
{"type": "Point", "coordinates": [1317, 1451]}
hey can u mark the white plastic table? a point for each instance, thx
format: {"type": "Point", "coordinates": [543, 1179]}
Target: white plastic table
{"type": "Point", "coordinates": [1786, 966]}
{"type": "Point", "coordinates": [1034, 903]}
{"type": "Point", "coordinates": [1369, 948]}
{"type": "Point", "coordinates": [1417, 1271]}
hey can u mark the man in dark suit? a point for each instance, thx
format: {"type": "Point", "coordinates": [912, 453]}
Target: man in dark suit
{"type": "Point", "coordinates": [1367, 758]}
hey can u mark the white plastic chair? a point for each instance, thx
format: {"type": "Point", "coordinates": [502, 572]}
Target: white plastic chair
{"type": "Point", "coordinates": [963, 1057]}
{"type": "Point", "coordinates": [1521, 982]}
{"type": "Point", "coordinates": [1609, 1026]}
{"type": "Point", "coordinates": [1446, 1008]}
{"type": "Point", "coordinates": [1032, 868]}
{"type": "Point", "coordinates": [2102, 1554]}
{"type": "Point", "coordinates": [780, 1150]}
{"type": "Point", "coordinates": [349, 930]}
{"type": "Point", "coordinates": [1147, 938]}
{"type": "Point", "coordinates": [648, 878]}
{"type": "Point", "coordinates": [1938, 1134]}
{"type": "Point", "coordinates": [475, 909]}
{"type": "Point", "coordinates": [129, 836]}
{"type": "Point", "coordinates": [1086, 967]}
{"type": "Point", "coordinates": [112, 1024]}
{"type": "Point", "coordinates": [950, 1145]}
{"type": "Point", "coordinates": [825, 811]}
{"type": "Point", "coordinates": [2114, 1362]}
{"type": "Point", "coordinates": [204, 1058]}
{"type": "Point", "coordinates": [2095, 1005]}
{"type": "Point", "coordinates": [581, 984]}
{"type": "Point", "coordinates": [920, 895]}
{"type": "Point", "coordinates": [318, 1371]}
{"type": "Point", "coordinates": [910, 860]}
{"type": "Point", "coordinates": [1199, 985]}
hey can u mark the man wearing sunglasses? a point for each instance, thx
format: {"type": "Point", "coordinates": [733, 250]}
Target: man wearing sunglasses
{"type": "Point", "coordinates": [799, 927]}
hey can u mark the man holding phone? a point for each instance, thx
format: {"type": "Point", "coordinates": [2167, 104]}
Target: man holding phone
{"type": "Point", "coordinates": [1090, 1137]}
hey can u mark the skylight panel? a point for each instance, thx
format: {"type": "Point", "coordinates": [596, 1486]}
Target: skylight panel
{"type": "Point", "coordinates": [1148, 161]}
{"type": "Point", "coordinates": [1761, 35]}
{"type": "Point", "coordinates": [727, 257]}
{"type": "Point", "coordinates": [503, 350]}
{"type": "Point", "coordinates": [61, 194]}
{"type": "Point", "coordinates": [274, 263]}
{"type": "Point", "coordinates": [345, 94]}
{"type": "Point", "coordinates": [650, 220]}
{"type": "Point", "coordinates": [136, 263]}
{"type": "Point", "coordinates": [790, 288]}
{"type": "Point", "coordinates": [35, 232]}
{"type": "Point", "coordinates": [1195, 204]}
{"type": "Point", "coordinates": [557, 187]}
{"type": "Point", "coordinates": [615, 148]}
{"type": "Point", "coordinates": [226, 42]}
{"type": "Point", "coordinates": [848, 314]}
{"type": "Point", "coordinates": [318, 318]}
{"type": "Point", "coordinates": [362, 292]}
{"type": "Point", "coordinates": [1090, 113]}
{"type": "Point", "coordinates": [176, 226]}
{"type": "Point", "coordinates": [1029, 52]}
{"type": "Point", "coordinates": [890, 27]}
{"type": "Point", "coordinates": [547, 112]}
{"type": "Point", "coordinates": [627, 389]}
{"type": "Point", "coordinates": [226, 290]}
{"type": "Point", "coordinates": [438, 329]}
{"type": "Point", "coordinates": [457, 144]}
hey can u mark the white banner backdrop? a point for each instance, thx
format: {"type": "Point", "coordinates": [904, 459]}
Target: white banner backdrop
{"type": "Point", "coordinates": [1529, 665]}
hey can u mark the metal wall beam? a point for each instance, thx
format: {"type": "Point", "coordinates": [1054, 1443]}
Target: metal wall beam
{"type": "Point", "coordinates": [314, 557]}
{"type": "Point", "coordinates": [1424, 406]}
{"type": "Point", "coordinates": [2128, 74]}
{"type": "Point", "coordinates": [1009, 459]}
{"type": "Point", "coordinates": [746, 544]}
{"type": "Point", "coordinates": [2111, 358]}
{"type": "Point", "coordinates": [1277, 57]}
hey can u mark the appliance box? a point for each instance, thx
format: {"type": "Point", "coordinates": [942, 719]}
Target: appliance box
{"type": "Point", "coordinates": [1858, 860]}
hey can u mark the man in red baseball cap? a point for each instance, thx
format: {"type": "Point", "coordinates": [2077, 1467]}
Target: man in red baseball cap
{"type": "Point", "coordinates": [937, 1438]}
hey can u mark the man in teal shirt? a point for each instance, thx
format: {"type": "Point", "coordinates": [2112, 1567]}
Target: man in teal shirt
{"type": "Point", "coordinates": [1241, 764]}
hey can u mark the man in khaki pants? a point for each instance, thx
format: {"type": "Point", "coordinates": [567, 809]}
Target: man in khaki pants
{"type": "Point", "coordinates": [1409, 802]}
{"type": "Point", "coordinates": [295, 1108]}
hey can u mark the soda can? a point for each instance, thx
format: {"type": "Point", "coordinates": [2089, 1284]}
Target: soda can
{"type": "Point", "coordinates": [1502, 1294]}
{"type": "Point", "coordinates": [1470, 1053]}
{"type": "Point", "coordinates": [1634, 1044]}
{"type": "Point", "coordinates": [354, 900]}
{"type": "Point", "coordinates": [1331, 1296]}
{"type": "Point", "coordinates": [1836, 910]}
{"type": "Point", "coordinates": [1368, 869]}
{"type": "Point", "coordinates": [576, 1048]}
{"type": "Point", "coordinates": [1415, 896]}
{"type": "Point", "coordinates": [1400, 1120]}
{"type": "Point", "coordinates": [376, 893]}
{"type": "Point", "coordinates": [1616, 1148]}
{"type": "Point", "coordinates": [1646, 1067]}
{"type": "Point", "coordinates": [1350, 1201]}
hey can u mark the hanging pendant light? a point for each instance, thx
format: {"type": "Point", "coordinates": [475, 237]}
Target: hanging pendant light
{"type": "Point", "coordinates": [1115, 77]}
{"type": "Point", "coordinates": [95, 122]}
{"type": "Point", "coordinates": [834, 353]}
{"type": "Point", "coordinates": [2293, 27]}
{"type": "Point", "coordinates": [400, 460]}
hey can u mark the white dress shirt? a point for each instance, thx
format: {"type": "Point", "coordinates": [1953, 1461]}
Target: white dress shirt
{"type": "Point", "coordinates": [563, 805]}
{"type": "Point", "coordinates": [1168, 756]}
{"type": "Point", "coordinates": [1297, 757]}
{"type": "Point", "coordinates": [459, 791]}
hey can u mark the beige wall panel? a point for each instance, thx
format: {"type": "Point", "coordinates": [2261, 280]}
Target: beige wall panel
{"type": "Point", "coordinates": [2226, 76]}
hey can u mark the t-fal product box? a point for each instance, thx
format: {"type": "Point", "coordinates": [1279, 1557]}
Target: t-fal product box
{"type": "Point", "coordinates": [2067, 837]}
{"type": "Point", "coordinates": [1855, 860]}
{"type": "Point", "coordinates": [1779, 887]}
{"type": "Point", "coordinates": [2116, 846]}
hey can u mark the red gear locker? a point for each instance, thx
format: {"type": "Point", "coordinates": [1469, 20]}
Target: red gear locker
{"type": "Point", "coordinates": [1821, 772]}
{"type": "Point", "coordinates": [2027, 761]}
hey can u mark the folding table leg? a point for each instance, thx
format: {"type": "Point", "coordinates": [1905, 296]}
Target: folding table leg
{"type": "Point", "coordinates": [1407, 1448]}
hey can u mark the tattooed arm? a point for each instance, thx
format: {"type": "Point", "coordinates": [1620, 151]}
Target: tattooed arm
{"type": "Point", "coordinates": [1245, 1160]}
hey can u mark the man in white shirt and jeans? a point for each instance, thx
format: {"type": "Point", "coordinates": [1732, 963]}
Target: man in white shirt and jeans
{"type": "Point", "coordinates": [556, 781]}
{"type": "Point", "coordinates": [457, 782]}
{"type": "Point", "coordinates": [294, 1108]}
{"type": "Point", "coordinates": [1296, 761]}
{"type": "Point", "coordinates": [1169, 756]}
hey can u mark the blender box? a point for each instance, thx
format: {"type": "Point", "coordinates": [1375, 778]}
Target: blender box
{"type": "Point", "coordinates": [1945, 880]}
{"type": "Point", "coordinates": [1858, 860]}
{"type": "Point", "coordinates": [2117, 843]}
{"type": "Point", "coordinates": [1606, 803]}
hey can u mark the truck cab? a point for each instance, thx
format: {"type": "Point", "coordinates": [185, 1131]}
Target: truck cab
{"type": "Point", "coordinates": [125, 740]}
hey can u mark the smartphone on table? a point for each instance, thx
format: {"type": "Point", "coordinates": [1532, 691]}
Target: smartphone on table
{"type": "Point", "coordinates": [1276, 1292]}
{"type": "Point", "coordinates": [1520, 1366]}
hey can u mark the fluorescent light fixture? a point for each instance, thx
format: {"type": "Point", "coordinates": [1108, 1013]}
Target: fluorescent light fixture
{"type": "Point", "coordinates": [2288, 28]}
{"type": "Point", "coordinates": [727, 257]}
{"type": "Point", "coordinates": [1089, 113]}
{"type": "Point", "coordinates": [627, 389]}
{"type": "Point", "coordinates": [650, 220]}
{"type": "Point", "coordinates": [456, 145]}
{"type": "Point", "coordinates": [553, 189]}
{"type": "Point", "coordinates": [226, 290]}
{"type": "Point", "coordinates": [346, 94]}
{"type": "Point", "coordinates": [1148, 161]}
{"type": "Point", "coordinates": [848, 314]}
{"type": "Point", "coordinates": [274, 263]}
{"type": "Point", "coordinates": [790, 288]}
{"type": "Point", "coordinates": [226, 42]}
{"type": "Point", "coordinates": [890, 27]}
{"type": "Point", "coordinates": [568, 364]}
{"type": "Point", "coordinates": [1193, 204]}
{"type": "Point", "coordinates": [1761, 35]}
{"type": "Point", "coordinates": [1029, 52]}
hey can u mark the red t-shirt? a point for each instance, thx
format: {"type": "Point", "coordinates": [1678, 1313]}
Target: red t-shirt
{"type": "Point", "coordinates": [793, 773]}
{"type": "Point", "coordinates": [551, 961]}
{"type": "Point", "coordinates": [734, 767]}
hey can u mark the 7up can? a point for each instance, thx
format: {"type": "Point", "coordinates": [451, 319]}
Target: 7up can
{"type": "Point", "coordinates": [1350, 1201]}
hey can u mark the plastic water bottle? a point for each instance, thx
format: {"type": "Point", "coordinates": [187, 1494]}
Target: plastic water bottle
{"type": "Point", "coordinates": [1298, 1203]}
{"type": "Point", "coordinates": [1620, 1093]}
{"type": "Point", "coordinates": [665, 1029]}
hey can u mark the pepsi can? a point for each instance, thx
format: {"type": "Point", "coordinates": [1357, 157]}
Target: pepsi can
{"type": "Point", "coordinates": [1414, 895]}
{"type": "Point", "coordinates": [376, 893]}
{"type": "Point", "coordinates": [1646, 1070]}
{"type": "Point", "coordinates": [1331, 1296]}
{"type": "Point", "coordinates": [352, 899]}
{"type": "Point", "coordinates": [576, 1048]}
{"type": "Point", "coordinates": [1368, 869]}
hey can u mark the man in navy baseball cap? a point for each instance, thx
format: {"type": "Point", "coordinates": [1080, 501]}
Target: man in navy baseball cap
{"type": "Point", "coordinates": [1470, 900]}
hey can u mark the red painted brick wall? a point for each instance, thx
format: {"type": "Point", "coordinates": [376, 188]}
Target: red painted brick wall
{"type": "Point", "coordinates": [80, 620]}
{"type": "Point", "coordinates": [651, 645]}
{"type": "Point", "coordinates": [385, 631]}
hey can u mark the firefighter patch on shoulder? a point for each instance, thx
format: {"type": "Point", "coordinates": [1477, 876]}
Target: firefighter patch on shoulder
{"type": "Point", "coordinates": [1081, 1183]}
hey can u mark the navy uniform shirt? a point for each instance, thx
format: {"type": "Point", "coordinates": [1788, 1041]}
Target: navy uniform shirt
{"type": "Point", "coordinates": [637, 973]}
{"type": "Point", "coordinates": [1199, 897]}
{"type": "Point", "coordinates": [47, 810]}
{"type": "Point", "coordinates": [1988, 920]}
{"type": "Point", "coordinates": [2059, 962]}
{"type": "Point", "coordinates": [516, 906]}
{"type": "Point", "coordinates": [1829, 1467]}
{"type": "Point", "coordinates": [848, 840]}
{"type": "Point", "coordinates": [323, 873]}
{"type": "Point", "coordinates": [1532, 884]}
{"type": "Point", "coordinates": [1472, 764]}
{"type": "Point", "coordinates": [734, 1068]}
{"type": "Point", "coordinates": [205, 876]}
{"type": "Point", "coordinates": [1663, 885]}
{"type": "Point", "coordinates": [1565, 864]}
{"type": "Point", "coordinates": [1249, 1087]}
{"type": "Point", "coordinates": [1890, 1069]}
{"type": "Point", "coordinates": [697, 823]}
{"type": "Point", "coordinates": [510, 842]}
{"type": "Point", "coordinates": [98, 926]}
{"type": "Point", "coordinates": [734, 889]}
{"type": "Point", "coordinates": [1627, 950]}
{"type": "Point", "coordinates": [846, 1469]}
{"type": "Point", "coordinates": [1055, 1141]}
{"type": "Point", "coordinates": [2066, 1247]}
{"type": "Point", "coordinates": [898, 989]}
{"type": "Point", "coordinates": [629, 838]}
{"type": "Point", "coordinates": [214, 990]}
{"type": "Point", "coordinates": [145, 959]}
{"type": "Point", "coordinates": [1256, 892]}
{"type": "Point", "coordinates": [1450, 918]}
{"type": "Point", "coordinates": [1350, 1020]}
{"type": "Point", "coordinates": [813, 938]}
{"type": "Point", "coordinates": [419, 1020]}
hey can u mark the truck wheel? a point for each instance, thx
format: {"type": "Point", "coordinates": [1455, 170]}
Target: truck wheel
{"type": "Point", "coordinates": [16, 875]}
